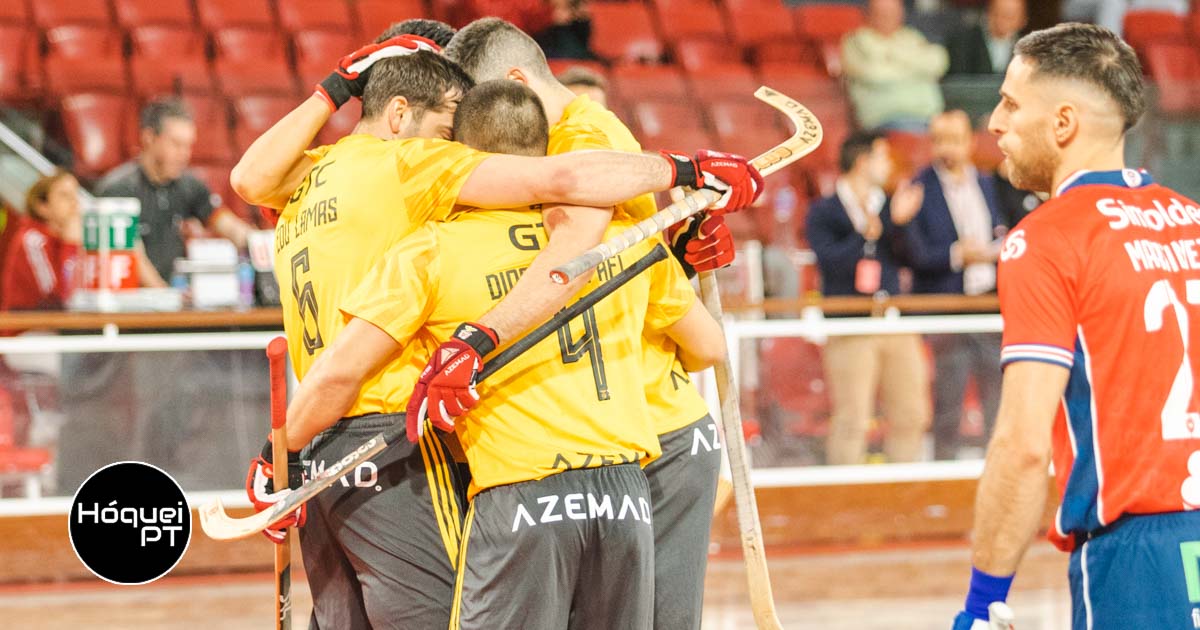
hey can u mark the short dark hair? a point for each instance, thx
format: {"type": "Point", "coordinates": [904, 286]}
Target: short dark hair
{"type": "Point", "coordinates": [578, 75]}
{"type": "Point", "coordinates": [1092, 54]}
{"type": "Point", "coordinates": [433, 30]}
{"type": "Point", "coordinates": [422, 77]}
{"type": "Point", "coordinates": [158, 110]}
{"type": "Point", "coordinates": [488, 47]}
{"type": "Point", "coordinates": [855, 146]}
{"type": "Point", "coordinates": [502, 116]}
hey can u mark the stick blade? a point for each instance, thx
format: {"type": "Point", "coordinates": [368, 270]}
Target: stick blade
{"type": "Point", "coordinates": [219, 525]}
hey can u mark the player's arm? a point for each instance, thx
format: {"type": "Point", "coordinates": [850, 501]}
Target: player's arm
{"type": "Point", "coordinates": [699, 337]}
{"type": "Point", "coordinates": [335, 379]}
{"type": "Point", "coordinates": [275, 164]}
{"type": "Point", "coordinates": [605, 178]}
{"type": "Point", "coordinates": [535, 298]}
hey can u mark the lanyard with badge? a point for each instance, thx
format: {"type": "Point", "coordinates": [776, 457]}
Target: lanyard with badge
{"type": "Point", "coordinates": [868, 272]}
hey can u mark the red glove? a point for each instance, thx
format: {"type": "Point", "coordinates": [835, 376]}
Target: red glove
{"type": "Point", "coordinates": [703, 243]}
{"type": "Point", "coordinates": [729, 175]}
{"type": "Point", "coordinates": [350, 78]}
{"type": "Point", "coordinates": [260, 487]}
{"type": "Point", "coordinates": [446, 388]}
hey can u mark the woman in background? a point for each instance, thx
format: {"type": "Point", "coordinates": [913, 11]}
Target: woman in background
{"type": "Point", "coordinates": [41, 249]}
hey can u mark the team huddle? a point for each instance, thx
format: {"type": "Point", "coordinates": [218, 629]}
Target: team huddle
{"type": "Point", "coordinates": [565, 491]}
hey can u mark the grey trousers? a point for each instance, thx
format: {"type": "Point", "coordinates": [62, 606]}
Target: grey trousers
{"type": "Point", "coordinates": [955, 359]}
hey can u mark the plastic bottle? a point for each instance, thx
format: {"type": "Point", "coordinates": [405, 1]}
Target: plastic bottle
{"type": "Point", "coordinates": [245, 274]}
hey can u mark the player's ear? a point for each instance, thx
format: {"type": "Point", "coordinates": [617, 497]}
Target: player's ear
{"type": "Point", "coordinates": [397, 113]}
{"type": "Point", "coordinates": [518, 75]}
{"type": "Point", "coordinates": [1066, 122]}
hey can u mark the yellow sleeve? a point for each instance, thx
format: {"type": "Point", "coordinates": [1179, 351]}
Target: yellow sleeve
{"type": "Point", "coordinates": [434, 172]}
{"type": "Point", "coordinates": [569, 138]}
{"type": "Point", "coordinates": [671, 294]}
{"type": "Point", "coordinates": [400, 291]}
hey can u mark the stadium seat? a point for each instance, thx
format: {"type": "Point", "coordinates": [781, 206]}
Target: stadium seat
{"type": "Point", "coordinates": [827, 22]}
{"type": "Point", "coordinates": [659, 119]}
{"type": "Point", "coordinates": [623, 32]}
{"type": "Point", "coordinates": [757, 22]}
{"type": "Point", "coordinates": [167, 41]}
{"type": "Point", "coordinates": [559, 66]}
{"type": "Point", "coordinates": [252, 61]}
{"type": "Point", "coordinates": [697, 54]}
{"type": "Point", "coordinates": [987, 155]}
{"type": "Point", "coordinates": [313, 15]}
{"type": "Point", "coordinates": [255, 114]}
{"type": "Point", "coordinates": [724, 81]}
{"type": "Point", "coordinates": [69, 75]}
{"type": "Point", "coordinates": [317, 53]}
{"type": "Point", "coordinates": [746, 127]}
{"type": "Point", "coordinates": [796, 382]}
{"type": "Point", "coordinates": [84, 40]}
{"type": "Point", "coordinates": [94, 124]}
{"type": "Point", "coordinates": [1175, 68]}
{"type": "Point", "coordinates": [216, 178]}
{"type": "Point", "coordinates": [14, 12]}
{"type": "Point", "coordinates": [153, 76]}
{"type": "Point", "coordinates": [690, 19]}
{"type": "Point", "coordinates": [14, 59]}
{"type": "Point", "coordinates": [911, 152]}
{"type": "Point", "coordinates": [1143, 28]}
{"type": "Point", "coordinates": [341, 123]}
{"type": "Point", "coordinates": [790, 53]}
{"type": "Point", "coordinates": [50, 13]}
{"type": "Point", "coordinates": [220, 14]}
{"type": "Point", "coordinates": [375, 16]}
{"type": "Point", "coordinates": [634, 83]}
{"type": "Point", "coordinates": [212, 121]}
{"type": "Point", "coordinates": [135, 13]}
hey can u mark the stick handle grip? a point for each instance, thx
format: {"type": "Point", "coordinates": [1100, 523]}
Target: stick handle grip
{"type": "Point", "coordinates": [572, 311]}
{"type": "Point", "coordinates": [277, 360]}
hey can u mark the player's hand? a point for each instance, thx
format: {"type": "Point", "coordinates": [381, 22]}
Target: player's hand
{"type": "Point", "coordinates": [906, 201]}
{"type": "Point", "coordinates": [350, 78]}
{"type": "Point", "coordinates": [446, 388]}
{"type": "Point", "coordinates": [729, 175]}
{"type": "Point", "coordinates": [703, 244]}
{"type": "Point", "coordinates": [260, 488]}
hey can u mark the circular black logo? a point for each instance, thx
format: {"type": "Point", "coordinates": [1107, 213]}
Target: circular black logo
{"type": "Point", "coordinates": [130, 523]}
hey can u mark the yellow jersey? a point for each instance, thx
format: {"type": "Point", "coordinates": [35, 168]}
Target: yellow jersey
{"type": "Point", "coordinates": [361, 197]}
{"type": "Point", "coordinates": [673, 400]}
{"type": "Point", "coordinates": [574, 400]}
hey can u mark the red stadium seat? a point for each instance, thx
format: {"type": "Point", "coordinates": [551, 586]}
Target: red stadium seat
{"type": "Point", "coordinates": [167, 41]}
{"type": "Point", "coordinates": [623, 31]}
{"type": "Point", "coordinates": [827, 22]}
{"type": "Point", "coordinates": [51, 13]}
{"type": "Point", "coordinates": [910, 151]}
{"type": "Point", "coordinates": [252, 61]}
{"type": "Point", "coordinates": [255, 114]}
{"type": "Point", "coordinates": [134, 13]}
{"type": "Point", "coordinates": [83, 40]}
{"type": "Point", "coordinates": [723, 82]}
{"type": "Point", "coordinates": [796, 382]}
{"type": "Point", "coordinates": [987, 155]}
{"type": "Point", "coordinates": [341, 123]}
{"type": "Point", "coordinates": [70, 75]}
{"type": "Point", "coordinates": [216, 179]}
{"type": "Point", "coordinates": [1175, 68]}
{"type": "Point", "coordinates": [375, 16]}
{"type": "Point", "coordinates": [559, 66]}
{"type": "Point", "coordinates": [697, 54]}
{"type": "Point", "coordinates": [220, 14]}
{"type": "Point", "coordinates": [674, 125]}
{"type": "Point", "coordinates": [313, 15]}
{"type": "Point", "coordinates": [1143, 28]}
{"type": "Point", "coordinates": [317, 53]}
{"type": "Point", "coordinates": [15, 60]}
{"type": "Point", "coordinates": [153, 76]}
{"type": "Point", "coordinates": [635, 83]}
{"type": "Point", "coordinates": [249, 44]}
{"type": "Point", "coordinates": [15, 12]}
{"type": "Point", "coordinates": [212, 120]}
{"type": "Point", "coordinates": [94, 126]}
{"type": "Point", "coordinates": [757, 22]}
{"type": "Point", "coordinates": [690, 19]}
{"type": "Point", "coordinates": [746, 127]}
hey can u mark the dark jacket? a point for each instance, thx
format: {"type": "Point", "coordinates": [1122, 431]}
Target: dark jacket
{"type": "Point", "coordinates": [839, 247]}
{"type": "Point", "coordinates": [969, 52]}
{"type": "Point", "coordinates": [930, 234]}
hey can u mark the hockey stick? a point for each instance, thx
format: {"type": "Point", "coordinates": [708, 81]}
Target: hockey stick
{"type": "Point", "coordinates": [277, 359]}
{"type": "Point", "coordinates": [806, 139]}
{"type": "Point", "coordinates": [219, 525]}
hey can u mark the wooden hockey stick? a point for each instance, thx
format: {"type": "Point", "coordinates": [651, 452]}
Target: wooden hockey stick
{"type": "Point", "coordinates": [806, 139]}
{"type": "Point", "coordinates": [277, 358]}
{"type": "Point", "coordinates": [219, 525]}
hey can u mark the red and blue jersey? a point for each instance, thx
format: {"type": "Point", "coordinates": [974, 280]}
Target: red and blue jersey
{"type": "Point", "coordinates": [1104, 280]}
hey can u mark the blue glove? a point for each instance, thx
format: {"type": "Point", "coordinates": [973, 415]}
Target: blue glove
{"type": "Point", "coordinates": [964, 621]}
{"type": "Point", "coordinates": [985, 590]}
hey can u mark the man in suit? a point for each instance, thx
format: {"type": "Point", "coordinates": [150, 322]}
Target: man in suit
{"type": "Point", "coordinates": [952, 241]}
{"type": "Point", "coordinates": [854, 240]}
{"type": "Point", "coordinates": [986, 48]}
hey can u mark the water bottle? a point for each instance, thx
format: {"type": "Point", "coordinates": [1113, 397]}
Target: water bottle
{"type": "Point", "coordinates": [245, 274]}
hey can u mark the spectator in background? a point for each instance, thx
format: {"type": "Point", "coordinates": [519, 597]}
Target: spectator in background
{"type": "Point", "coordinates": [581, 80]}
{"type": "Point", "coordinates": [851, 234]}
{"type": "Point", "coordinates": [172, 199]}
{"type": "Point", "coordinates": [569, 35]}
{"type": "Point", "coordinates": [41, 251]}
{"type": "Point", "coordinates": [1111, 13]}
{"type": "Point", "coordinates": [986, 48]}
{"type": "Point", "coordinates": [892, 70]}
{"type": "Point", "coordinates": [1015, 203]}
{"type": "Point", "coordinates": [953, 240]}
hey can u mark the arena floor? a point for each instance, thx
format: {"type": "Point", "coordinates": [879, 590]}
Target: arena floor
{"type": "Point", "coordinates": [913, 586]}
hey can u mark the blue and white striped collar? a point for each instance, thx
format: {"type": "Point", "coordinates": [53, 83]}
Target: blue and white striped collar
{"type": "Point", "coordinates": [1126, 178]}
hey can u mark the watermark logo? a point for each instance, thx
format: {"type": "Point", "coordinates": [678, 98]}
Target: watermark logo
{"type": "Point", "coordinates": [130, 523]}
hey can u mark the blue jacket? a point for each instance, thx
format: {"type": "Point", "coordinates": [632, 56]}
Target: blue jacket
{"type": "Point", "coordinates": [930, 234]}
{"type": "Point", "coordinates": [839, 247]}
